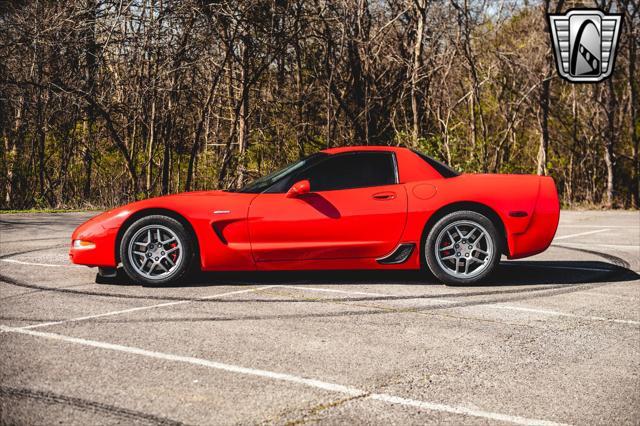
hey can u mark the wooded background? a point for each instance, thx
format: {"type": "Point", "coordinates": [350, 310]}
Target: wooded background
{"type": "Point", "coordinates": [106, 101]}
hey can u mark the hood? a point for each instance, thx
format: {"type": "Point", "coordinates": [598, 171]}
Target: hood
{"type": "Point", "coordinates": [211, 193]}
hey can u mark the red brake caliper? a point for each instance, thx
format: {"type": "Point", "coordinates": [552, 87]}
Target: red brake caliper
{"type": "Point", "coordinates": [447, 252]}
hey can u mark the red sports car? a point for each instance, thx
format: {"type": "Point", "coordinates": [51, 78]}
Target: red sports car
{"type": "Point", "coordinates": [342, 208]}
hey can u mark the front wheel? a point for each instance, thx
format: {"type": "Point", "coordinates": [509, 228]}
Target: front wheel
{"type": "Point", "coordinates": [462, 248]}
{"type": "Point", "coordinates": [156, 250]}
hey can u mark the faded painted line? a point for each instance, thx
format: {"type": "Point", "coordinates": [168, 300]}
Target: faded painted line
{"type": "Point", "coordinates": [357, 293]}
{"type": "Point", "coordinates": [106, 314]}
{"type": "Point", "coordinates": [460, 410]}
{"type": "Point", "coordinates": [601, 294]}
{"type": "Point", "coordinates": [54, 265]}
{"type": "Point", "coordinates": [248, 290]}
{"type": "Point", "coordinates": [620, 246]}
{"type": "Point", "coordinates": [284, 377]}
{"type": "Point", "coordinates": [562, 226]}
{"type": "Point", "coordinates": [577, 268]}
{"type": "Point", "coordinates": [493, 305]}
{"type": "Point", "coordinates": [564, 237]}
{"type": "Point", "coordinates": [143, 308]}
{"type": "Point", "coordinates": [565, 314]}
{"type": "Point", "coordinates": [329, 290]}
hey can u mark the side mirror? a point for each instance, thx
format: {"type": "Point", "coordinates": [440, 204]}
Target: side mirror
{"type": "Point", "coordinates": [299, 188]}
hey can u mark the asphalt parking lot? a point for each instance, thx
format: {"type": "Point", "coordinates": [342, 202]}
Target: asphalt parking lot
{"type": "Point", "coordinates": [554, 339]}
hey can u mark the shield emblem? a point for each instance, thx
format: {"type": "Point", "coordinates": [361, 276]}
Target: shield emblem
{"type": "Point", "coordinates": [585, 42]}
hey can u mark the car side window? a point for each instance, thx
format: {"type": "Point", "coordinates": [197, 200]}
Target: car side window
{"type": "Point", "coordinates": [346, 171]}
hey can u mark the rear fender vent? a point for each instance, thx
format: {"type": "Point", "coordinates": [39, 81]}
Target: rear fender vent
{"type": "Point", "coordinates": [399, 255]}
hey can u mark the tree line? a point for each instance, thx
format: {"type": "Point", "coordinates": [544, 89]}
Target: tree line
{"type": "Point", "coordinates": [107, 101]}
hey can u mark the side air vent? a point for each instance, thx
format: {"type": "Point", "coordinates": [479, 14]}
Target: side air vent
{"type": "Point", "coordinates": [399, 255]}
{"type": "Point", "coordinates": [217, 228]}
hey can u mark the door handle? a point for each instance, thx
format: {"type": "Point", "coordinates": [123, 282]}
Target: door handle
{"type": "Point", "coordinates": [388, 195]}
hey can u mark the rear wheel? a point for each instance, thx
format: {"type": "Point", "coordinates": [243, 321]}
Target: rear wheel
{"type": "Point", "coordinates": [156, 250]}
{"type": "Point", "coordinates": [462, 248]}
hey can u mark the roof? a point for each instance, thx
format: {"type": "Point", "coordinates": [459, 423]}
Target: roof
{"type": "Point", "coordinates": [362, 148]}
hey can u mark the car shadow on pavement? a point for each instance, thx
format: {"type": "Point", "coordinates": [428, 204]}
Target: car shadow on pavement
{"type": "Point", "coordinates": [508, 273]}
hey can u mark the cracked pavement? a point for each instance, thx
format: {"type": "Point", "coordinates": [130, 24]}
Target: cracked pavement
{"type": "Point", "coordinates": [554, 338]}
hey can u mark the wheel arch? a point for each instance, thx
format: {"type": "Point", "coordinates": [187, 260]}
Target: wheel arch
{"type": "Point", "coordinates": [157, 211]}
{"type": "Point", "coordinates": [474, 206]}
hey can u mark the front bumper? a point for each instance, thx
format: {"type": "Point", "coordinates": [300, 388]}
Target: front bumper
{"type": "Point", "coordinates": [102, 253]}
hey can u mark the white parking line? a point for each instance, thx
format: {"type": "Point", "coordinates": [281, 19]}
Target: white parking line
{"type": "Point", "coordinates": [142, 308]}
{"type": "Point", "coordinates": [284, 377]}
{"type": "Point", "coordinates": [620, 296]}
{"type": "Point", "coordinates": [492, 306]}
{"type": "Point", "coordinates": [561, 226]}
{"type": "Point", "coordinates": [597, 231]}
{"type": "Point", "coordinates": [619, 246]}
{"type": "Point", "coordinates": [460, 410]}
{"type": "Point", "coordinates": [358, 293]}
{"type": "Point", "coordinates": [54, 265]}
{"type": "Point", "coordinates": [577, 268]}
{"type": "Point", "coordinates": [565, 314]}
{"type": "Point", "coordinates": [330, 290]}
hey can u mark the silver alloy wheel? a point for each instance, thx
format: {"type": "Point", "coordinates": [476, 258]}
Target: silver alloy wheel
{"type": "Point", "coordinates": [464, 249]}
{"type": "Point", "coordinates": [155, 251]}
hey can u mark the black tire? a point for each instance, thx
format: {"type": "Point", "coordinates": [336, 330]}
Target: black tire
{"type": "Point", "coordinates": [182, 267]}
{"type": "Point", "coordinates": [431, 238]}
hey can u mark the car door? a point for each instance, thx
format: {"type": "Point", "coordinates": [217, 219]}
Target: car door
{"type": "Point", "coordinates": [355, 209]}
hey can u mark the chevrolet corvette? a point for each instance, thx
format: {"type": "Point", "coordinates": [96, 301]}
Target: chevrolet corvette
{"type": "Point", "coordinates": [341, 208]}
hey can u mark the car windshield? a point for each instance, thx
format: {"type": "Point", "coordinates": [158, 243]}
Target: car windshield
{"type": "Point", "coordinates": [263, 183]}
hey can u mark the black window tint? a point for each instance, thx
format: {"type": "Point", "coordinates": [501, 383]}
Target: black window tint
{"type": "Point", "coordinates": [443, 169]}
{"type": "Point", "coordinates": [351, 171]}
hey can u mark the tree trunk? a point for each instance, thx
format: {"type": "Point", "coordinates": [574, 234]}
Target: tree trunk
{"type": "Point", "coordinates": [41, 135]}
{"type": "Point", "coordinates": [234, 107]}
{"type": "Point", "coordinates": [545, 93]}
{"type": "Point", "coordinates": [420, 13]}
{"type": "Point", "coordinates": [166, 143]}
{"type": "Point", "coordinates": [243, 123]}
{"type": "Point", "coordinates": [166, 167]}
{"type": "Point", "coordinates": [472, 124]}
{"type": "Point", "coordinates": [635, 120]}
{"type": "Point", "coordinates": [609, 143]}
{"type": "Point", "coordinates": [302, 122]}
{"type": "Point", "coordinates": [4, 158]}
{"type": "Point", "coordinates": [204, 117]}
{"type": "Point", "coordinates": [14, 177]}
{"type": "Point", "coordinates": [150, 146]}
{"type": "Point", "coordinates": [544, 127]}
{"type": "Point", "coordinates": [90, 49]}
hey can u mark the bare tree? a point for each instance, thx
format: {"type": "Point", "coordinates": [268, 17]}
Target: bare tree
{"type": "Point", "coordinates": [103, 101]}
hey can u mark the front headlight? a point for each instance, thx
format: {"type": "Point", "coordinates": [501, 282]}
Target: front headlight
{"type": "Point", "coordinates": [83, 245]}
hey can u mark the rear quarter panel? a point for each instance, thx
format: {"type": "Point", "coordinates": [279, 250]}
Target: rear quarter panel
{"type": "Point", "coordinates": [504, 194]}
